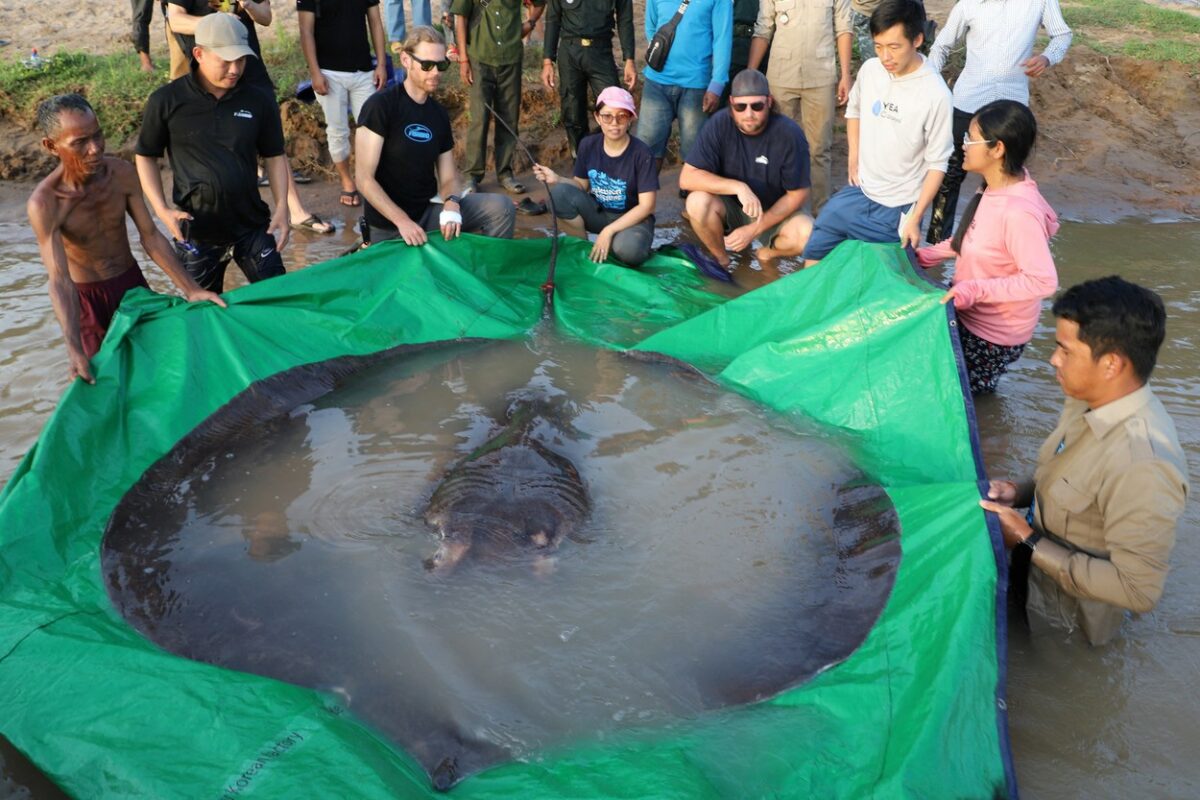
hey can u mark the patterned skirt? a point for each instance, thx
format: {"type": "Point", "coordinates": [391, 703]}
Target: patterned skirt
{"type": "Point", "coordinates": [986, 362]}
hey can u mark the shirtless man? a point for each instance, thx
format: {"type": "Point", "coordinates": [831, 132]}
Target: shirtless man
{"type": "Point", "coordinates": [78, 213]}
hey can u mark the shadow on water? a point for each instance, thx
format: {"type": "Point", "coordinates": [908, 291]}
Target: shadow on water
{"type": "Point", "coordinates": [725, 557]}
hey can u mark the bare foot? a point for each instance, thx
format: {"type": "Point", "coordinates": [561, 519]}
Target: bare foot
{"type": "Point", "coordinates": [766, 254]}
{"type": "Point", "coordinates": [147, 64]}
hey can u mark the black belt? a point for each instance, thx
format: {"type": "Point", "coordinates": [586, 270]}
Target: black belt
{"type": "Point", "coordinates": [586, 41]}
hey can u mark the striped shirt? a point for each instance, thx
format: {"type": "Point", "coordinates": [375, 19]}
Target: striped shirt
{"type": "Point", "coordinates": [1000, 35]}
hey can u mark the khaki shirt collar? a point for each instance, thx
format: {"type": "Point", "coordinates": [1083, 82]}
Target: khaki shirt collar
{"type": "Point", "coordinates": [1110, 415]}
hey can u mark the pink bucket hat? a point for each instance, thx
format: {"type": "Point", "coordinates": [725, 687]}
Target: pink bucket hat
{"type": "Point", "coordinates": [616, 97]}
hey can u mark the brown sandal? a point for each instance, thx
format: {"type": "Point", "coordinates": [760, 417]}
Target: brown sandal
{"type": "Point", "coordinates": [351, 199]}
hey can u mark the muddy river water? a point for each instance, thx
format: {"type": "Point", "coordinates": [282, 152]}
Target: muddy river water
{"type": "Point", "coordinates": [1114, 722]}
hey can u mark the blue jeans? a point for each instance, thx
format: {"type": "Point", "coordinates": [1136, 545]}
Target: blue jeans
{"type": "Point", "coordinates": [850, 214]}
{"type": "Point", "coordinates": [662, 105]}
{"type": "Point", "coordinates": [393, 13]}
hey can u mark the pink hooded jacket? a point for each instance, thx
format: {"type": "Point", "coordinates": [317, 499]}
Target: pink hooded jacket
{"type": "Point", "coordinates": [1005, 269]}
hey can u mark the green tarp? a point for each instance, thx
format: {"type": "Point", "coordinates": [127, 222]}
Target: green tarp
{"type": "Point", "coordinates": [860, 344]}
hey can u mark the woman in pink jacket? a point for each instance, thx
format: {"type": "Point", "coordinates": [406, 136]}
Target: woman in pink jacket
{"type": "Point", "coordinates": [1004, 268]}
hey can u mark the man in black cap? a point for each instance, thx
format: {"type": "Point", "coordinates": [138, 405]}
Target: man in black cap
{"type": "Point", "coordinates": [579, 37]}
{"type": "Point", "coordinates": [748, 177]}
{"type": "Point", "coordinates": [216, 129]}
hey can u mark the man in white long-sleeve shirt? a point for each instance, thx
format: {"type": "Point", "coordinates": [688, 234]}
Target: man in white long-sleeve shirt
{"type": "Point", "coordinates": [898, 137]}
{"type": "Point", "coordinates": [1000, 61]}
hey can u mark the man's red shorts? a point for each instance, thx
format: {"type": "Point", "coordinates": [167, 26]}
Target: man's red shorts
{"type": "Point", "coordinates": [98, 302]}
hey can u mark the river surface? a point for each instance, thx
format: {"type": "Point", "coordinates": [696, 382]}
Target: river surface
{"type": "Point", "coordinates": [1113, 722]}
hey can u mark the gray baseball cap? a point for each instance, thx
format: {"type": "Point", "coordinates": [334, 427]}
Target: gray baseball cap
{"type": "Point", "coordinates": [749, 83]}
{"type": "Point", "coordinates": [225, 35]}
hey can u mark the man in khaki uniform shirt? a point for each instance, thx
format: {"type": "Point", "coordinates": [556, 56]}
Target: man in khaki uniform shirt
{"type": "Point", "coordinates": [1111, 479]}
{"type": "Point", "coordinates": [807, 83]}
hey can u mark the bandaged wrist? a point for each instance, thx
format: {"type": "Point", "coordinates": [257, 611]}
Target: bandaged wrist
{"type": "Point", "coordinates": [450, 217]}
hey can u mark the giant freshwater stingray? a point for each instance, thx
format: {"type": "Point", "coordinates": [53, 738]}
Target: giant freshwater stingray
{"type": "Point", "coordinates": [511, 492]}
{"type": "Point", "coordinates": [860, 549]}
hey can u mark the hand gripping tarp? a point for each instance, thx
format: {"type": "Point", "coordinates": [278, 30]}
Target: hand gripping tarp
{"type": "Point", "coordinates": [860, 344]}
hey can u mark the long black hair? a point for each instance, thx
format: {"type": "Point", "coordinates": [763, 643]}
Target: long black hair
{"type": "Point", "coordinates": [1000, 121]}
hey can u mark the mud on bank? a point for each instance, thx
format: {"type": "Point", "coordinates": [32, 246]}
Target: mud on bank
{"type": "Point", "coordinates": [1120, 137]}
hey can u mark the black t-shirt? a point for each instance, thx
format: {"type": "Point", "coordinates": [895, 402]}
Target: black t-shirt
{"type": "Point", "coordinates": [771, 164]}
{"type": "Point", "coordinates": [256, 71]}
{"type": "Point", "coordinates": [214, 146]}
{"type": "Point", "coordinates": [616, 182]}
{"type": "Point", "coordinates": [414, 135]}
{"type": "Point", "coordinates": [340, 31]}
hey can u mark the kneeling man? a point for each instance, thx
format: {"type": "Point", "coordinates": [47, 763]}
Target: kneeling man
{"type": "Point", "coordinates": [1111, 479]}
{"type": "Point", "coordinates": [748, 176]}
{"type": "Point", "coordinates": [406, 156]}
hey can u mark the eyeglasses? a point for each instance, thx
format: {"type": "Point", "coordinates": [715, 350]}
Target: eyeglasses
{"type": "Point", "coordinates": [967, 140]}
{"type": "Point", "coordinates": [428, 66]}
{"type": "Point", "coordinates": [757, 105]}
{"type": "Point", "coordinates": [609, 119]}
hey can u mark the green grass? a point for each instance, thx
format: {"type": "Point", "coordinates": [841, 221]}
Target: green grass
{"type": "Point", "coordinates": [1129, 14]}
{"type": "Point", "coordinates": [116, 87]}
{"type": "Point", "coordinates": [1163, 50]}
{"type": "Point", "coordinates": [113, 84]}
{"type": "Point", "coordinates": [1154, 50]}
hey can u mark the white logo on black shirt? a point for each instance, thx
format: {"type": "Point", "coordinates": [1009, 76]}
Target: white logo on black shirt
{"type": "Point", "coordinates": [760, 160]}
{"type": "Point", "coordinates": [243, 113]}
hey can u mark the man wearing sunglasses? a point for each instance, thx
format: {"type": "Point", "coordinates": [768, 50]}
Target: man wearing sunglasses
{"type": "Point", "coordinates": [405, 156]}
{"type": "Point", "coordinates": [490, 65]}
{"type": "Point", "coordinates": [748, 177]}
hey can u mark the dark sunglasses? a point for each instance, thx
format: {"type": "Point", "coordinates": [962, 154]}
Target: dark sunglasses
{"type": "Point", "coordinates": [427, 66]}
{"type": "Point", "coordinates": [757, 105]}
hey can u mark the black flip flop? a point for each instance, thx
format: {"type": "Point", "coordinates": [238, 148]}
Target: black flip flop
{"type": "Point", "coordinates": [530, 207]}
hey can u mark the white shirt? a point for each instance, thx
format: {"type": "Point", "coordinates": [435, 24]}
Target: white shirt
{"type": "Point", "coordinates": [904, 130]}
{"type": "Point", "coordinates": [1000, 35]}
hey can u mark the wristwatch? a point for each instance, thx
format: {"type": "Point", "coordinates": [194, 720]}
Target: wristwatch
{"type": "Point", "coordinates": [1031, 540]}
{"type": "Point", "coordinates": [454, 199]}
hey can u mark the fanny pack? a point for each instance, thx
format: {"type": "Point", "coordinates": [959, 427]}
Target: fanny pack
{"type": "Point", "coordinates": [664, 37]}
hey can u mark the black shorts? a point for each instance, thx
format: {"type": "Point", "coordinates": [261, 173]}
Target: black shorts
{"type": "Point", "coordinates": [254, 253]}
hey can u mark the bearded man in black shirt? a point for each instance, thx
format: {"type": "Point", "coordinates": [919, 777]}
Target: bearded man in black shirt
{"type": "Point", "coordinates": [405, 156]}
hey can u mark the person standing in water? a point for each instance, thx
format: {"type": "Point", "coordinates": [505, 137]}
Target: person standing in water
{"type": "Point", "coordinates": [78, 214]}
{"type": "Point", "coordinates": [1004, 268]}
{"type": "Point", "coordinates": [1111, 478]}
{"type": "Point", "coordinates": [614, 186]}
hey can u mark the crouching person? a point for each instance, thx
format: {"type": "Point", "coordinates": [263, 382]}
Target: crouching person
{"type": "Point", "coordinates": [615, 185]}
{"type": "Point", "coordinates": [406, 156]}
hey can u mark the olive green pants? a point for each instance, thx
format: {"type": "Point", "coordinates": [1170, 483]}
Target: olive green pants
{"type": "Point", "coordinates": [499, 87]}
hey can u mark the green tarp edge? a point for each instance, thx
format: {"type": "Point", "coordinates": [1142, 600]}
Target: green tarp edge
{"type": "Point", "coordinates": [859, 344]}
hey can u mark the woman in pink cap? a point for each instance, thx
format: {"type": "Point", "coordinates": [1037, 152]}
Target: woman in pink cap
{"type": "Point", "coordinates": [614, 185]}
